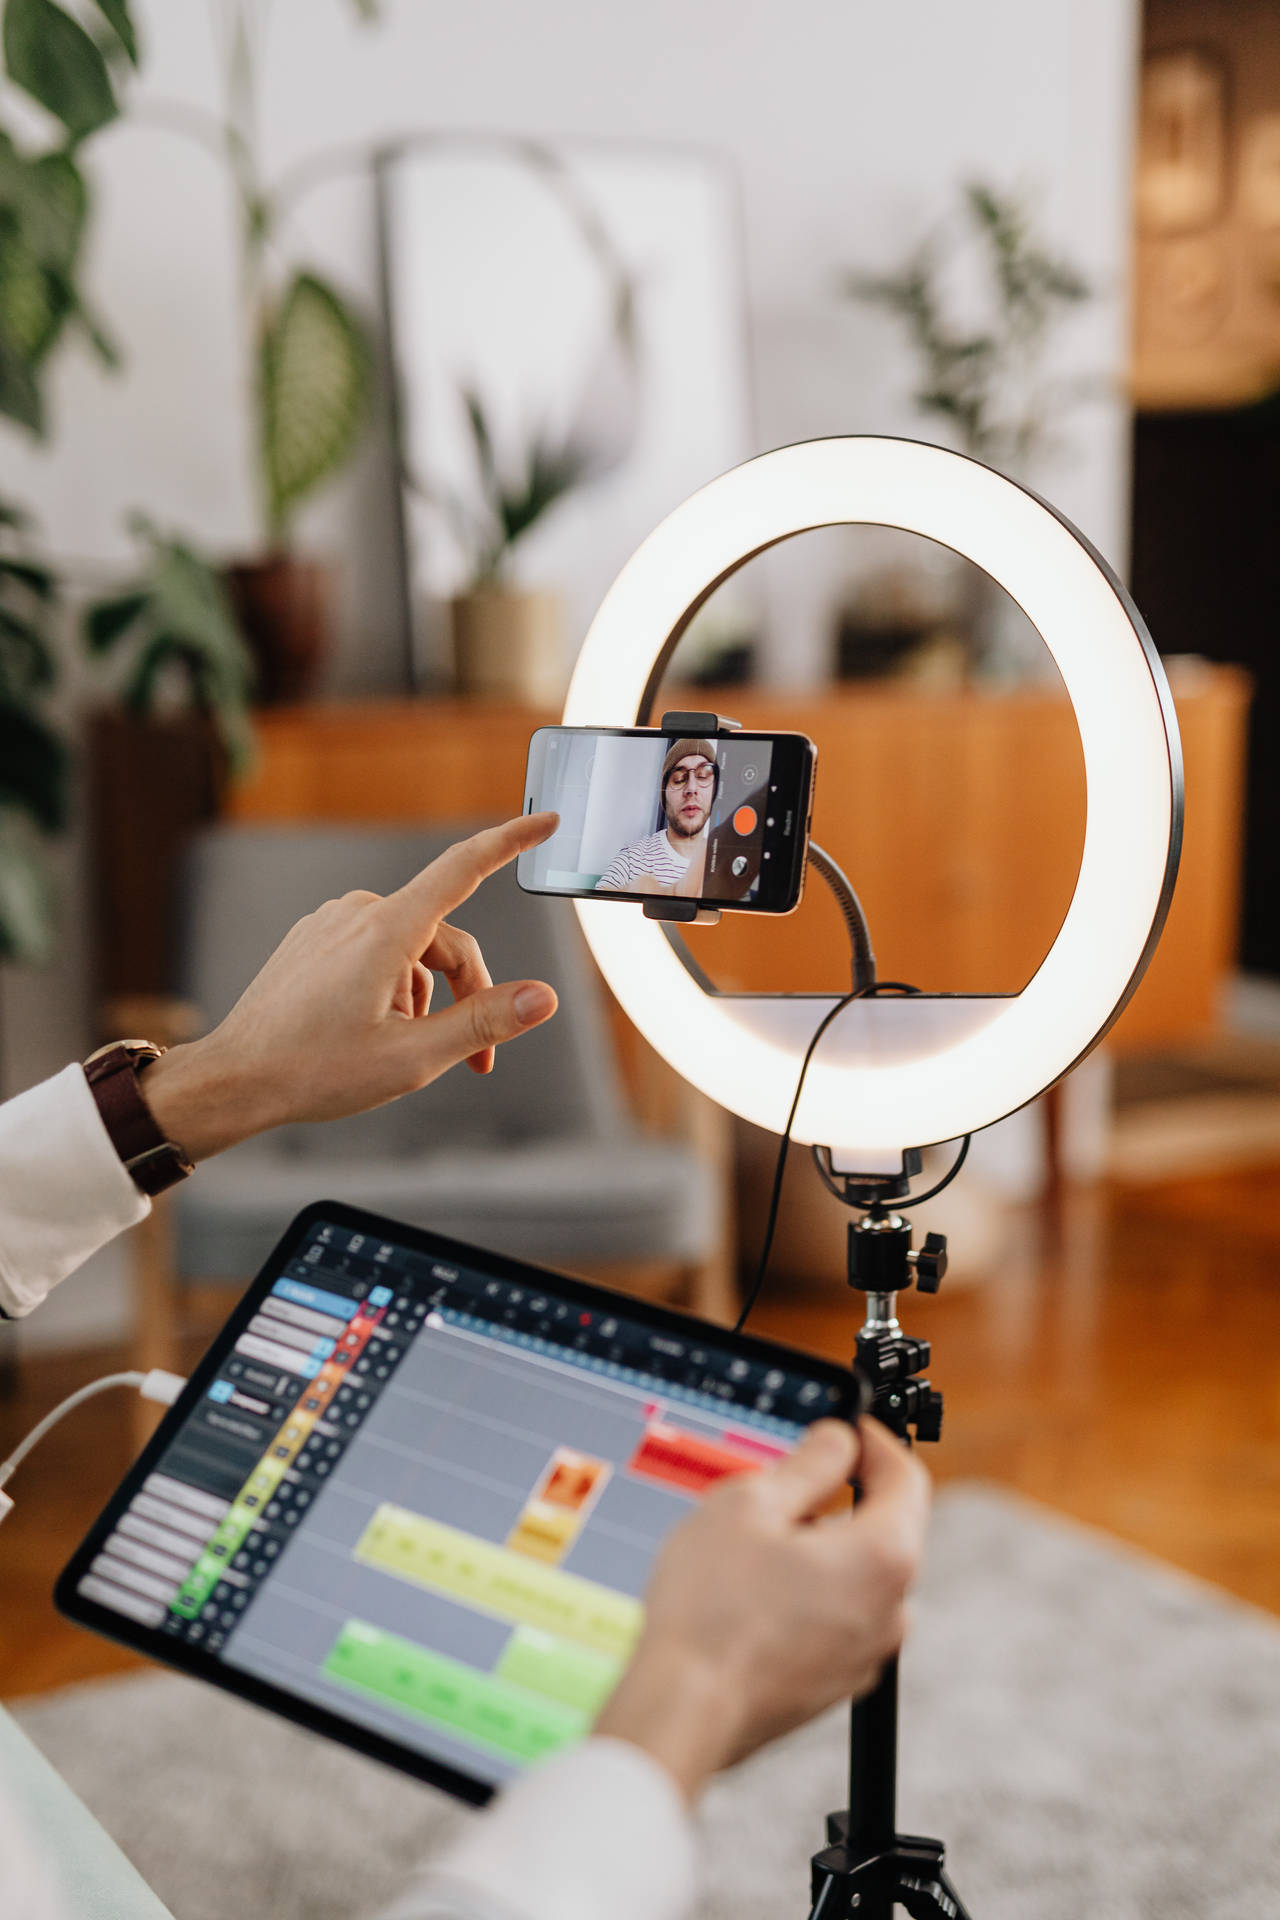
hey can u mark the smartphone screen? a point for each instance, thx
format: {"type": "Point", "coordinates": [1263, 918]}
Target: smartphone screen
{"type": "Point", "coordinates": [723, 821]}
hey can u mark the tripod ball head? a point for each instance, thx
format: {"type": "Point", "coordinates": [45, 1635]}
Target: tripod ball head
{"type": "Point", "coordinates": [881, 1259]}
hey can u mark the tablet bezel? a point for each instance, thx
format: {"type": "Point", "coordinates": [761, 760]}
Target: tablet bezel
{"type": "Point", "coordinates": [261, 1693]}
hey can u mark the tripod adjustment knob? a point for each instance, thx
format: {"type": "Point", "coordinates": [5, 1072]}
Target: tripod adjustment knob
{"type": "Point", "coordinates": [930, 1262]}
{"type": "Point", "coordinates": [891, 1356]}
{"type": "Point", "coordinates": [929, 1415]}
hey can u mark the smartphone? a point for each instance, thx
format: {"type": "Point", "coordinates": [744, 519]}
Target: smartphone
{"type": "Point", "coordinates": [723, 820]}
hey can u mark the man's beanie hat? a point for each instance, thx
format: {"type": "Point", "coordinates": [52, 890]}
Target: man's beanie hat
{"type": "Point", "coordinates": [681, 751]}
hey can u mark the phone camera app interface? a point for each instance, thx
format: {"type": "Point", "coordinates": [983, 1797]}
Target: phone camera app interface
{"type": "Point", "coordinates": [659, 815]}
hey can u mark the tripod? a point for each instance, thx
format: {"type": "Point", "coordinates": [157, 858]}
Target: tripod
{"type": "Point", "coordinates": [867, 1867]}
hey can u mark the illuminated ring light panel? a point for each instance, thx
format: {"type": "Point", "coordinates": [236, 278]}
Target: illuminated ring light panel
{"type": "Point", "coordinates": [895, 1072]}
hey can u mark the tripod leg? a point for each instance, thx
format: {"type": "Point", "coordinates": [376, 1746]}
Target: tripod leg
{"type": "Point", "coordinates": [957, 1907]}
{"type": "Point", "coordinates": [908, 1876]}
{"type": "Point", "coordinates": [873, 1766]}
{"type": "Point", "coordinates": [933, 1898]}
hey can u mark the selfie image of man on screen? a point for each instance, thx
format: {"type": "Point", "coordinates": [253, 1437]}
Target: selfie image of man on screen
{"type": "Point", "coordinates": [673, 859]}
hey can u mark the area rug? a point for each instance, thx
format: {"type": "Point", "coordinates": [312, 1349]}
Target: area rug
{"type": "Point", "coordinates": [1089, 1732]}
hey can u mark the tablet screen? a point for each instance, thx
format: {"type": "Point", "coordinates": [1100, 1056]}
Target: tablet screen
{"type": "Point", "coordinates": [421, 1491]}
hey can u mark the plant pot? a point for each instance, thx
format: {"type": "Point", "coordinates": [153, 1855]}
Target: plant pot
{"type": "Point", "coordinates": [285, 608]}
{"type": "Point", "coordinates": [509, 645]}
{"type": "Point", "coordinates": [152, 782]}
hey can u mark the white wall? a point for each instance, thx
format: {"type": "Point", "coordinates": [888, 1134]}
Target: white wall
{"type": "Point", "coordinates": [851, 124]}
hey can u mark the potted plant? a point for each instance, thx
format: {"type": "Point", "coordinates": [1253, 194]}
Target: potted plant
{"type": "Point", "coordinates": [34, 761]}
{"type": "Point", "coordinates": [986, 382]}
{"type": "Point", "coordinates": [508, 640]}
{"type": "Point", "coordinates": [178, 648]}
{"type": "Point", "coordinates": [161, 754]}
{"type": "Point", "coordinates": [158, 761]}
{"type": "Point", "coordinates": [309, 377]}
{"type": "Point", "coordinates": [44, 215]}
{"type": "Point", "coordinates": [508, 637]}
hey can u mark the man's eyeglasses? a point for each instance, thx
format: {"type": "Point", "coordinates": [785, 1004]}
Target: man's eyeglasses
{"type": "Point", "coordinates": [702, 775]}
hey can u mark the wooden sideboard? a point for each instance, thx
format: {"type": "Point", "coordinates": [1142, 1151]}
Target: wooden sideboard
{"type": "Point", "coordinates": [959, 818]}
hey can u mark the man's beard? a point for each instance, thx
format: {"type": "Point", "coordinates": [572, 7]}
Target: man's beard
{"type": "Point", "coordinates": [682, 832]}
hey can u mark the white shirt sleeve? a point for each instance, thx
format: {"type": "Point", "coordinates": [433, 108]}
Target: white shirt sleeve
{"type": "Point", "coordinates": [64, 1191]}
{"type": "Point", "coordinates": [598, 1833]}
{"type": "Point", "coordinates": [26, 1892]}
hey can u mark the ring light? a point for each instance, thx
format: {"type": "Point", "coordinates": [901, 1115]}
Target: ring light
{"type": "Point", "coordinates": [894, 1071]}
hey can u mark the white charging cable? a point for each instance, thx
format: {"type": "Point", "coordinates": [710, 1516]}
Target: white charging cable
{"type": "Point", "coordinates": [158, 1385]}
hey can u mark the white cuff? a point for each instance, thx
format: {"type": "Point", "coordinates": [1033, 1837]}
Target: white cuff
{"type": "Point", "coordinates": [64, 1191]}
{"type": "Point", "coordinates": [600, 1830]}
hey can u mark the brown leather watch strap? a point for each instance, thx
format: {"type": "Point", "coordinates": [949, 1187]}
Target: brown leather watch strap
{"type": "Point", "coordinates": [153, 1162]}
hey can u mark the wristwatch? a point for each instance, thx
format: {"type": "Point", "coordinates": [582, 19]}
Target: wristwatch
{"type": "Point", "coordinates": [153, 1162]}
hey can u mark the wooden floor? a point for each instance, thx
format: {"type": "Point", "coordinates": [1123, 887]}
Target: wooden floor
{"type": "Point", "coordinates": [1123, 1368]}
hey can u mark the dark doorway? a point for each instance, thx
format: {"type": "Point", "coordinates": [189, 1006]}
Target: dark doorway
{"type": "Point", "coordinates": [1206, 574]}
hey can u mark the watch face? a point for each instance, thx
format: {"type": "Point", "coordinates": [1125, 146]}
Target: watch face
{"type": "Point", "coordinates": [143, 1050]}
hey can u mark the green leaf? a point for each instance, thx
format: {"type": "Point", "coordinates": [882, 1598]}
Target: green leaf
{"type": "Point", "coordinates": [45, 200]}
{"type": "Point", "coordinates": [33, 767]}
{"type": "Point", "coordinates": [58, 206]}
{"type": "Point", "coordinates": [189, 601]}
{"type": "Point", "coordinates": [235, 730]}
{"type": "Point", "coordinates": [19, 394]}
{"type": "Point", "coordinates": [26, 664]}
{"type": "Point", "coordinates": [181, 616]}
{"type": "Point", "coordinates": [486, 460]}
{"type": "Point", "coordinates": [314, 382]}
{"type": "Point", "coordinates": [13, 516]}
{"type": "Point", "coordinates": [26, 903]}
{"type": "Point", "coordinates": [37, 580]}
{"type": "Point", "coordinates": [51, 57]}
{"type": "Point", "coordinates": [116, 13]}
{"type": "Point", "coordinates": [226, 705]}
{"type": "Point", "coordinates": [98, 337]}
{"type": "Point", "coordinates": [106, 620]}
{"type": "Point", "coordinates": [142, 687]}
{"type": "Point", "coordinates": [26, 308]}
{"type": "Point", "coordinates": [368, 10]}
{"type": "Point", "coordinates": [553, 471]}
{"type": "Point", "coordinates": [43, 206]}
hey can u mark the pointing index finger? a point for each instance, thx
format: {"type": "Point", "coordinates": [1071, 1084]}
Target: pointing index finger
{"type": "Point", "coordinates": [419, 906]}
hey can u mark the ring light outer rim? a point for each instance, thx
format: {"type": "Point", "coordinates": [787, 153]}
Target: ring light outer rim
{"type": "Point", "coordinates": [1137, 627]}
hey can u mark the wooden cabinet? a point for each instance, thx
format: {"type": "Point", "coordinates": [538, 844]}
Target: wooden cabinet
{"type": "Point", "coordinates": [958, 817]}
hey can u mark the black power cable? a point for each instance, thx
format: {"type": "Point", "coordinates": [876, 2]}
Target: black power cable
{"type": "Point", "coordinates": [861, 992]}
{"type": "Point", "coordinates": [856, 993]}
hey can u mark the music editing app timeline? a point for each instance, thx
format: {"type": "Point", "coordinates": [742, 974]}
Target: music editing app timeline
{"type": "Point", "coordinates": [430, 1499]}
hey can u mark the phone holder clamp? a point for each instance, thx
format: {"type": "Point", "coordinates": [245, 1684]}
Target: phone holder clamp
{"type": "Point", "coordinates": [687, 911]}
{"type": "Point", "coordinates": [698, 724]}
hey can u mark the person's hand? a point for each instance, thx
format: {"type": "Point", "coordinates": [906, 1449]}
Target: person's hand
{"type": "Point", "coordinates": [338, 1019]}
{"type": "Point", "coordinates": [763, 1610]}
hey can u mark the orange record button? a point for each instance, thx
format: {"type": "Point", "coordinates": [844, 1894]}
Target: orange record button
{"type": "Point", "coordinates": [744, 821]}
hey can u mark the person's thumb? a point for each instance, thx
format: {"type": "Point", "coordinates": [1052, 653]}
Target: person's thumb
{"type": "Point", "coordinates": [483, 1019]}
{"type": "Point", "coordinates": [821, 1465]}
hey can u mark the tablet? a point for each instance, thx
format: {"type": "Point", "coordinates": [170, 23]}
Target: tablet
{"type": "Point", "coordinates": [412, 1495]}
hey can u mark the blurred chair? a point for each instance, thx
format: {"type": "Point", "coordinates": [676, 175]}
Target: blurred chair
{"type": "Point", "coordinates": [541, 1159]}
